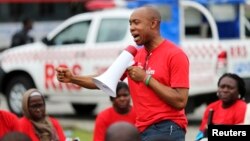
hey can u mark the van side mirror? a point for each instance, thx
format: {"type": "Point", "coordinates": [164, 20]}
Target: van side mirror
{"type": "Point", "coordinates": [46, 41]}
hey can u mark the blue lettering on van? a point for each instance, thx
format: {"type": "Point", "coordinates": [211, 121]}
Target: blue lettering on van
{"type": "Point", "coordinates": [242, 68]}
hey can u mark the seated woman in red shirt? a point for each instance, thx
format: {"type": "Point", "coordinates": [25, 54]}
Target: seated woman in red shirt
{"type": "Point", "coordinates": [8, 122]}
{"type": "Point", "coordinates": [230, 108]}
{"type": "Point", "coordinates": [35, 123]}
{"type": "Point", "coordinates": [121, 110]}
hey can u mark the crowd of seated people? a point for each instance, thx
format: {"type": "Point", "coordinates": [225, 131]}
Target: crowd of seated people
{"type": "Point", "coordinates": [36, 125]}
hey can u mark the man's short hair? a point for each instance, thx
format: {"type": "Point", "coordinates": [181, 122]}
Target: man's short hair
{"type": "Point", "coordinates": [15, 136]}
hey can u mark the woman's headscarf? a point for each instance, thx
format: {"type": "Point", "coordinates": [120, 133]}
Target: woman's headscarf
{"type": "Point", "coordinates": [43, 128]}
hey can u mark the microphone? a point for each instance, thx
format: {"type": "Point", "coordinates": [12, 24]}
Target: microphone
{"type": "Point", "coordinates": [107, 82]}
{"type": "Point", "coordinates": [209, 121]}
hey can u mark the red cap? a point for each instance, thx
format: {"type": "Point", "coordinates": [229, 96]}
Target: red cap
{"type": "Point", "coordinates": [131, 49]}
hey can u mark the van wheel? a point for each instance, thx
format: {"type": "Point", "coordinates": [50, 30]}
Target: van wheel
{"type": "Point", "coordinates": [15, 90]}
{"type": "Point", "coordinates": [84, 109]}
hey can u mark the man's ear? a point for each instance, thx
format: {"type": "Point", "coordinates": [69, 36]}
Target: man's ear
{"type": "Point", "coordinates": [154, 24]}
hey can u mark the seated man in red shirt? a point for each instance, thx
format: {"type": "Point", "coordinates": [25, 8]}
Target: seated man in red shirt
{"type": "Point", "coordinates": [8, 122]}
{"type": "Point", "coordinates": [121, 110]}
{"type": "Point", "coordinates": [35, 123]}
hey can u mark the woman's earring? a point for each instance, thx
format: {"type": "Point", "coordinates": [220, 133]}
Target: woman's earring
{"type": "Point", "coordinates": [217, 93]}
{"type": "Point", "coordinates": [239, 96]}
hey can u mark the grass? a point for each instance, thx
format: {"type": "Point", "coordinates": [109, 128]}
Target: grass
{"type": "Point", "coordinates": [82, 134]}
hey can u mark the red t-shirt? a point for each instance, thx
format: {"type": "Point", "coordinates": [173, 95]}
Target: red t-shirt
{"type": "Point", "coordinates": [232, 115]}
{"type": "Point", "coordinates": [169, 65]}
{"type": "Point", "coordinates": [108, 117]}
{"type": "Point", "coordinates": [27, 128]}
{"type": "Point", "coordinates": [8, 122]}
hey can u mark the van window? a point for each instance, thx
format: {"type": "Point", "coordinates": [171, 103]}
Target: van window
{"type": "Point", "coordinates": [165, 11]}
{"type": "Point", "coordinates": [73, 34]}
{"type": "Point", "coordinates": [112, 30]}
{"type": "Point", "coordinates": [247, 22]}
{"type": "Point", "coordinates": [223, 12]}
{"type": "Point", "coordinates": [225, 16]}
{"type": "Point", "coordinates": [227, 20]}
{"type": "Point", "coordinates": [196, 25]}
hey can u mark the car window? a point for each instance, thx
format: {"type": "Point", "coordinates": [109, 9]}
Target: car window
{"type": "Point", "coordinates": [247, 20]}
{"type": "Point", "coordinates": [196, 25]}
{"type": "Point", "coordinates": [73, 34]}
{"type": "Point", "coordinates": [112, 30]}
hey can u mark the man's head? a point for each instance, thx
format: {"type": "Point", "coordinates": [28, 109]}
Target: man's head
{"type": "Point", "coordinates": [122, 131]}
{"type": "Point", "coordinates": [145, 25]}
{"type": "Point", "coordinates": [15, 136]}
{"type": "Point", "coordinates": [27, 24]}
{"type": "Point", "coordinates": [121, 102]}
